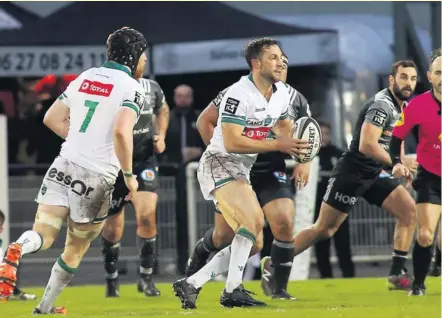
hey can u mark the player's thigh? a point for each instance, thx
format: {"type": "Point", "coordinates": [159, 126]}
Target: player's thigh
{"type": "Point", "coordinates": [427, 187]}
{"type": "Point", "coordinates": [90, 198]}
{"type": "Point", "coordinates": [388, 193]}
{"type": "Point", "coordinates": [146, 199]}
{"type": "Point", "coordinates": [239, 206]}
{"type": "Point", "coordinates": [223, 232]}
{"type": "Point", "coordinates": [344, 189]}
{"type": "Point", "coordinates": [215, 170]}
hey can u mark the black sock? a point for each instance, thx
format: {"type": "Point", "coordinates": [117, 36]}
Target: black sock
{"type": "Point", "coordinates": [421, 263]}
{"type": "Point", "coordinates": [282, 254]}
{"type": "Point", "coordinates": [399, 259]}
{"type": "Point", "coordinates": [437, 256]}
{"type": "Point", "coordinates": [110, 252]}
{"type": "Point", "coordinates": [146, 250]}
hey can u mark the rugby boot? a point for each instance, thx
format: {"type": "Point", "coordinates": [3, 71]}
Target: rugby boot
{"type": "Point", "coordinates": [147, 285]}
{"type": "Point", "coordinates": [435, 269]}
{"type": "Point", "coordinates": [402, 281]}
{"type": "Point", "coordinates": [21, 295]}
{"type": "Point", "coordinates": [240, 297]}
{"type": "Point", "coordinates": [197, 259]}
{"type": "Point", "coordinates": [282, 295]}
{"type": "Point", "coordinates": [53, 311]}
{"type": "Point", "coordinates": [417, 290]}
{"type": "Point", "coordinates": [187, 293]}
{"type": "Point", "coordinates": [112, 287]}
{"type": "Point", "coordinates": [8, 270]}
{"type": "Point", "coordinates": [267, 280]}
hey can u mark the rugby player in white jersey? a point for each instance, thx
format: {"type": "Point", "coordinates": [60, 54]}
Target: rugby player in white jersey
{"type": "Point", "coordinates": [250, 109]}
{"type": "Point", "coordinates": [95, 115]}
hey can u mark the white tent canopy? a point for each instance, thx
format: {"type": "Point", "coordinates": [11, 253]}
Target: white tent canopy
{"type": "Point", "coordinates": [7, 22]}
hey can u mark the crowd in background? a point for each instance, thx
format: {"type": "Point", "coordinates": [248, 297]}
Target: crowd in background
{"type": "Point", "coordinates": [25, 103]}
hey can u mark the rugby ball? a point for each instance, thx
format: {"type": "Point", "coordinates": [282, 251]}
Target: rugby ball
{"type": "Point", "coordinates": [308, 129]}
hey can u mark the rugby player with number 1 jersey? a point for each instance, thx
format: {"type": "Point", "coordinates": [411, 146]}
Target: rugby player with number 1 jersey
{"type": "Point", "coordinates": [424, 114]}
{"type": "Point", "coordinates": [249, 110]}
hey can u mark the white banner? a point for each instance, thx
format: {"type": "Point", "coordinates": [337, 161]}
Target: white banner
{"type": "Point", "coordinates": [4, 187]}
{"type": "Point", "coordinates": [226, 55]}
{"type": "Point", "coordinates": [305, 201]}
{"type": "Point", "coordinates": [40, 61]}
{"type": "Point", "coordinates": [179, 58]}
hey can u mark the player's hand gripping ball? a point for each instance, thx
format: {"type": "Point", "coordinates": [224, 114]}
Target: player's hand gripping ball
{"type": "Point", "coordinates": [308, 129]}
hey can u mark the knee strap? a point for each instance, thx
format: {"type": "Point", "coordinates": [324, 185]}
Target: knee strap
{"type": "Point", "coordinates": [48, 219]}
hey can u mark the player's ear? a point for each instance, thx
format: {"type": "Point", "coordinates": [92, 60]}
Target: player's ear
{"type": "Point", "coordinates": [429, 76]}
{"type": "Point", "coordinates": [390, 80]}
{"type": "Point", "coordinates": [256, 63]}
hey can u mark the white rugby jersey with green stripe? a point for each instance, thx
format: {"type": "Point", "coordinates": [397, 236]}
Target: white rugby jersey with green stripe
{"type": "Point", "coordinates": [244, 105]}
{"type": "Point", "coordinates": [94, 99]}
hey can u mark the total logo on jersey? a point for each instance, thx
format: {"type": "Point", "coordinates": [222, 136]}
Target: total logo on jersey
{"type": "Point", "coordinates": [96, 88]}
{"type": "Point", "coordinates": [259, 133]}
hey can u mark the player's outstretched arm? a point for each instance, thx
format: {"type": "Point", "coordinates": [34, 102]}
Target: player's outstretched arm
{"type": "Point", "coordinates": [57, 118]}
{"type": "Point", "coordinates": [206, 123]}
{"type": "Point", "coordinates": [123, 137]}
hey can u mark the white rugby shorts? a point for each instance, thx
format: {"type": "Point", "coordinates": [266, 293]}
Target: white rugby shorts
{"type": "Point", "coordinates": [217, 169]}
{"type": "Point", "coordinates": [86, 193]}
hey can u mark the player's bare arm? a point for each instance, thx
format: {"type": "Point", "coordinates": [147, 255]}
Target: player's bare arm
{"type": "Point", "coordinates": [57, 118]}
{"type": "Point", "coordinates": [206, 123]}
{"type": "Point", "coordinates": [123, 137]}
{"type": "Point", "coordinates": [284, 127]}
{"type": "Point", "coordinates": [161, 124]}
{"type": "Point", "coordinates": [369, 144]}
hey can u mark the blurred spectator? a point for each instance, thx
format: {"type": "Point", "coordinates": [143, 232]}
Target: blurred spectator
{"type": "Point", "coordinates": [42, 141]}
{"type": "Point", "coordinates": [183, 142]}
{"type": "Point", "coordinates": [328, 156]}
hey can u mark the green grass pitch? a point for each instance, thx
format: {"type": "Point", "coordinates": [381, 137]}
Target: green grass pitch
{"type": "Point", "coordinates": [352, 298]}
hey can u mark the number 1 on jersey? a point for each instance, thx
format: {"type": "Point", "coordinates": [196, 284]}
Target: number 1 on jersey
{"type": "Point", "coordinates": [92, 106]}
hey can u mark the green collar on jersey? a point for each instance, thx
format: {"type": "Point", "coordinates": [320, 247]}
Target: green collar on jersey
{"type": "Point", "coordinates": [116, 66]}
{"type": "Point", "coordinates": [251, 79]}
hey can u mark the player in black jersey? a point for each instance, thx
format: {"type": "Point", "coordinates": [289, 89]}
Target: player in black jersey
{"type": "Point", "coordinates": [358, 174]}
{"type": "Point", "coordinates": [149, 134]}
{"type": "Point", "coordinates": [275, 195]}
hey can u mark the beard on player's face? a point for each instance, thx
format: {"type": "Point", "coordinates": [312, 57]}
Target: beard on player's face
{"type": "Point", "coordinates": [402, 93]}
{"type": "Point", "coordinates": [269, 74]}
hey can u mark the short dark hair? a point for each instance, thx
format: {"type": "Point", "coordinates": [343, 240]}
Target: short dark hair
{"type": "Point", "coordinates": [403, 63]}
{"type": "Point", "coordinates": [434, 55]}
{"type": "Point", "coordinates": [254, 48]}
{"type": "Point", "coordinates": [2, 218]}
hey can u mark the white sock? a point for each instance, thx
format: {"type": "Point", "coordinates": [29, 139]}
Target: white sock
{"type": "Point", "coordinates": [241, 247]}
{"type": "Point", "coordinates": [218, 265]}
{"type": "Point", "coordinates": [61, 275]}
{"type": "Point", "coordinates": [30, 242]}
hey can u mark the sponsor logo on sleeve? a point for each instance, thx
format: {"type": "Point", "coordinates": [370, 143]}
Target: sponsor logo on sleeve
{"type": "Point", "coordinates": [231, 105]}
{"type": "Point", "coordinates": [380, 117]}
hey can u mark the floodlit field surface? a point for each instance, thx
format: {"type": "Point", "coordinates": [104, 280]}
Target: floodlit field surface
{"type": "Point", "coordinates": [353, 298]}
